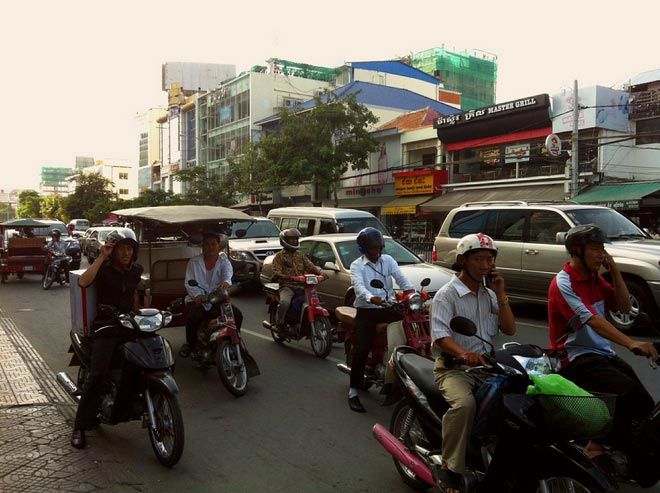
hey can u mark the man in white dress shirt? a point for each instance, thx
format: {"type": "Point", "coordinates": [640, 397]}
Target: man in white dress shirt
{"type": "Point", "coordinates": [368, 300]}
{"type": "Point", "coordinates": [466, 295]}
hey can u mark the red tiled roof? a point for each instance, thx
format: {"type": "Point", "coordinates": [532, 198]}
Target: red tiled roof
{"type": "Point", "coordinates": [413, 120]}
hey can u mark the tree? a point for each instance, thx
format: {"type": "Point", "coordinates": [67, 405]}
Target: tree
{"type": "Point", "coordinates": [29, 204]}
{"type": "Point", "coordinates": [7, 212]}
{"type": "Point", "coordinates": [252, 172]}
{"type": "Point", "coordinates": [321, 145]}
{"type": "Point", "coordinates": [90, 190]}
{"type": "Point", "coordinates": [150, 198]}
{"type": "Point", "coordinates": [52, 206]}
{"type": "Point", "coordinates": [207, 187]}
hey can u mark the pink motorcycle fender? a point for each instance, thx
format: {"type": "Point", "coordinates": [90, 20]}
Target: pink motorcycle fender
{"type": "Point", "coordinates": [227, 333]}
{"type": "Point", "coordinates": [399, 451]}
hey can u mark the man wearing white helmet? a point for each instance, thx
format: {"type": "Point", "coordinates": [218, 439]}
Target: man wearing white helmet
{"type": "Point", "coordinates": [476, 292]}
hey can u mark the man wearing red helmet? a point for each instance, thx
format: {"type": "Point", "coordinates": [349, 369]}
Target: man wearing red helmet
{"type": "Point", "coordinates": [476, 292]}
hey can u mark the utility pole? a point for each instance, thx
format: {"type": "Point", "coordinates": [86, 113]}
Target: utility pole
{"type": "Point", "coordinates": [575, 172]}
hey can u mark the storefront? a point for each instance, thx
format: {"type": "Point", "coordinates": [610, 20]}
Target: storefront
{"type": "Point", "coordinates": [403, 215]}
{"type": "Point", "coordinates": [369, 198]}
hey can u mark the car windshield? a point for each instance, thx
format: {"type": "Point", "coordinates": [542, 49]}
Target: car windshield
{"type": "Point", "coordinates": [348, 251]}
{"type": "Point", "coordinates": [615, 225]}
{"type": "Point", "coordinates": [104, 234]}
{"type": "Point", "coordinates": [45, 231]}
{"type": "Point", "coordinates": [355, 224]}
{"type": "Point", "coordinates": [257, 229]}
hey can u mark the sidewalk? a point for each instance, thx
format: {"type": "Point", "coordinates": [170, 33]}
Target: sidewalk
{"type": "Point", "coordinates": [35, 426]}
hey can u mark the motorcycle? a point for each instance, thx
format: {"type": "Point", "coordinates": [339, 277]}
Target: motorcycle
{"type": "Point", "coordinates": [140, 375]}
{"type": "Point", "coordinates": [222, 345]}
{"type": "Point", "coordinates": [413, 330]}
{"type": "Point", "coordinates": [519, 442]}
{"type": "Point", "coordinates": [57, 269]}
{"type": "Point", "coordinates": [305, 317]}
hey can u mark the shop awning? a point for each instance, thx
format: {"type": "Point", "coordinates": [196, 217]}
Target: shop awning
{"type": "Point", "coordinates": [450, 200]}
{"type": "Point", "coordinates": [358, 203]}
{"type": "Point", "coordinates": [620, 196]}
{"type": "Point", "coordinates": [405, 205]}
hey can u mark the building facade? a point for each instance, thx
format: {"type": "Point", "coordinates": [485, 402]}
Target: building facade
{"type": "Point", "coordinates": [54, 180]}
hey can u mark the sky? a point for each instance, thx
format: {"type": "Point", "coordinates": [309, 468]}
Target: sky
{"type": "Point", "coordinates": [77, 73]}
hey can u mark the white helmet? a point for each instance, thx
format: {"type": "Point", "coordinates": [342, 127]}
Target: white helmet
{"type": "Point", "coordinates": [478, 241]}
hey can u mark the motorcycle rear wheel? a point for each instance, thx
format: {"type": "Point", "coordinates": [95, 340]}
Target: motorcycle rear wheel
{"type": "Point", "coordinates": [409, 438]}
{"type": "Point", "coordinates": [320, 336]}
{"type": "Point", "coordinates": [168, 437]}
{"type": "Point", "coordinates": [272, 313]}
{"type": "Point", "coordinates": [49, 277]}
{"type": "Point", "coordinates": [233, 376]}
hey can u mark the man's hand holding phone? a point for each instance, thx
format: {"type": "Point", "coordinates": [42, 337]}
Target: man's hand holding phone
{"type": "Point", "coordinates": [106, 249]}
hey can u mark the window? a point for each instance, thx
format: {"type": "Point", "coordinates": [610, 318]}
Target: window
{"type": "Point", "coordinates": [508, 225]}
{"type": "Point", "coordinates": [306, 246]}
{"type": "Point", "coordinates": [468, 222]}
{"type": "Point", "coordinates": [321, 254]}
{"type": "Point", "coordinates": [544, 226]}
{"type": "Point", "coordinates": [648, 131]}
{"type": "Point", "coordinates": [327, 227]}
{"type": "Point", "coordinates": [306, 226]}
{"type": "Point", "coordinates": [123, 176]}
{"type": "Point", "coordinates": [123, 191]}
{"type": "Point", "coordinates": [289, 222]}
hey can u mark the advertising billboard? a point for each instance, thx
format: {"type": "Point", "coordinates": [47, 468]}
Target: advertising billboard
{"type": "Point", "coordinates": [600, 107]}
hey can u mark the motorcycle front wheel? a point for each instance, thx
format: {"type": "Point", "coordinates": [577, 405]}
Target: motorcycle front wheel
{"type": "Point", "coordinates": [320, 335]}
{"type": "Point", "coordinates": [272, 313]}
{"type": "Point", "coordinates": [49, 277]}
{"type": "Point", "coordinates": [166, 434]}
{"type": "Point", "coordinates": [405, 427]}
{"type": "Point", "coordinates": [232, 373]}
{"type": "Point", "coordinates": [561, 485]}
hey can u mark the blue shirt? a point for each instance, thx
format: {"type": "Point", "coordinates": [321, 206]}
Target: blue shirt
{"type": "Point", "coordinates": [363, 271]}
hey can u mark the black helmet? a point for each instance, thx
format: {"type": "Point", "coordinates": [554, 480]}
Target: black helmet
{"type": "Point", "coordinates": [284, 239]}
{"type": "Point", "coordinates": [369, 238]}
{"type": "Point", "coordinates": [55, 232]}
{"type": "Point", "coordinates": [579, 236]}
{"type": "Point", "coordinates": [125, 236]}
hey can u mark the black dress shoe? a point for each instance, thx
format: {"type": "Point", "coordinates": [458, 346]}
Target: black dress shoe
{"type": "Point", "coordinates": [355, 405]}
{"type": "Point", "coordinates": [78, 439]}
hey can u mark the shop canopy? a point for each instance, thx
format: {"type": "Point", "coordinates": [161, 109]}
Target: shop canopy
{"type": "Point", "coordinates": [405, 205]}
{"type": "Point", "coordinates": [620, 196]}
{"type": "Point", "coordinates": [536, 193]}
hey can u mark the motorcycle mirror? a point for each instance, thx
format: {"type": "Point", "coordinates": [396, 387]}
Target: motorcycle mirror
{"type": "Point", "coordinates": [425, 282]}
{"type": "Point", "coordinates": [377, 283]}
{"type": "Point", "coordinates": [192, 283]}
{"type": "Point", "coordinates": [463, 326]}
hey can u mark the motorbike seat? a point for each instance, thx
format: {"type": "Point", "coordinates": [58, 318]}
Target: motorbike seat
{"type": "Point", "coordinates": [346, 314]}
{"type": "Point", "coordinates": [420, 371]}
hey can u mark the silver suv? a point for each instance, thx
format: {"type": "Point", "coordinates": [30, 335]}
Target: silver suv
{"type": "Point", "coordinates": [530, 239]}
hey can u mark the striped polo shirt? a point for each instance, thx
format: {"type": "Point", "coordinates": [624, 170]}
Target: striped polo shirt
{"type": "Point", "coordinates": [572, 300]}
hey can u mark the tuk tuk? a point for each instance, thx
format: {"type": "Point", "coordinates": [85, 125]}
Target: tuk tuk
{"type": "Point", "coordinates": [169, 236]}
{"type": "Point", "coordinates": [20, 252]}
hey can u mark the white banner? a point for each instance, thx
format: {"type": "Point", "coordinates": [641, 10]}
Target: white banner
{"type": "Point", "coordinates": [516, 154]}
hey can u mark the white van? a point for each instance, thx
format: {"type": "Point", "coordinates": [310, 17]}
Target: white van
{"type": "Point", "coordinates": [323, 220]}
{"type": "Point", "coordinates": [78, 224]}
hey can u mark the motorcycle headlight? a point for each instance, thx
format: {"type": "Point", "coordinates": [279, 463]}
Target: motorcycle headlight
{"type": "Point", "coordinates": [149, 323]}
{"type": "Point", "coordinates": [415, 302]}
{"type": "Point", "coordinates": [239, 255]}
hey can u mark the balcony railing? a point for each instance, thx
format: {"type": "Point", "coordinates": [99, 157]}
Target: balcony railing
{"type": "Point", "coordinates": [644, 104]}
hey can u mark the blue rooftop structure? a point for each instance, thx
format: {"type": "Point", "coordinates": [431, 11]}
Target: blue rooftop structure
{"type": "Point", "coordinates": [370, 94]}
{"type": "Point", "coordinates": [397, 68]}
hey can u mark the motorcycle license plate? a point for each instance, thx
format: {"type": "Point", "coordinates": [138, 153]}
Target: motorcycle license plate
{"type": "Point", "coordinates": [28, 267]}
{"type": "Point", "coordinates": [312, 280]}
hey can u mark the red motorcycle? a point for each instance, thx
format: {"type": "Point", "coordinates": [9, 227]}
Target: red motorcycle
{"type": "Point", "coordinates": [413, 330]}
{"type": "Point", "coordinates": [305, 317]}
{"type": "Point", "coordinates": [222, 345]}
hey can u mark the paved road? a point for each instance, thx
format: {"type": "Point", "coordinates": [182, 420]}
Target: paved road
{"type": "Point", "coordinates": [291, 432]}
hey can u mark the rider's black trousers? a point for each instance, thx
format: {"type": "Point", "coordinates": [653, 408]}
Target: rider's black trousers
{"type": "Point", "coordinates": [196, 315]}
{"type": "Point", "coordinates": [103, 347]}
{"type": "Point", "coordinates": [612, 375]}
{"type": "Point", "coordinates": [365, 331]}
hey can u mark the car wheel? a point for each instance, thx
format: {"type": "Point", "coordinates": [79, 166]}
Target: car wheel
{"type": "Point", "coordinates": [641, 302]}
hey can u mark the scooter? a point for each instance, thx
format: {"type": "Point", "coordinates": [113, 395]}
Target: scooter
{"type": "Point", "coordinates": [222, 345]}
{"type": "Point", "coordinates": [413, 330]}
{"type": "Point", "coordinates": [305, 317]}
{"type": "Point", "coordinates": [141, 374]}
{"type": "Point", "coordinates": [57, 269]}
{"type": "Point", "coordinates": [519, 443]}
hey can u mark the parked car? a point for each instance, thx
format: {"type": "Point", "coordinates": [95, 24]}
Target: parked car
{"type": "Point", "coordinates": [261, 239]}
{"type": "Point", "coordinates": [97, 239]}
{"type": "Point", "coordinates": [324, 220]}
{"type": "Point", "coordinates": [334, 253]}
{"type": "Point", "coordinates": [530, 239]}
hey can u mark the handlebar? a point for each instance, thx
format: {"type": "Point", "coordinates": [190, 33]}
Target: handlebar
{"type": "Point", "coordinates": [654, 363]}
